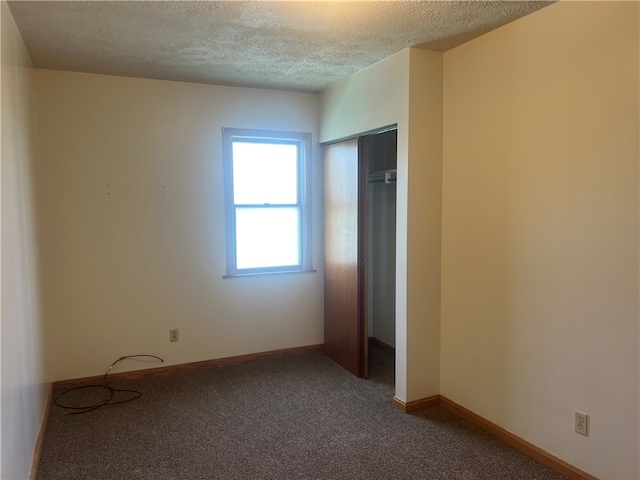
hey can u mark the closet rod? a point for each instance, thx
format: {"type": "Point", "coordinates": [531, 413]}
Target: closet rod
{"type": "Point", "coordinates": [382, 180]}
{"type": "Point", "coordinates": [386, 176]}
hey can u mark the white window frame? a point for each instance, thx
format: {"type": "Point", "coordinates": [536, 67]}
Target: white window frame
{"type": "Point", "coordinates": [303, 143]}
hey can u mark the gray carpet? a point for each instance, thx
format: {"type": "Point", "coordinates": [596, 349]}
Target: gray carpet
{"type": "Point", "coordinates": [300, 417]}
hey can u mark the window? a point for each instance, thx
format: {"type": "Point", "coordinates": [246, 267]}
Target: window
{"type": "Point", "coordinates": [267, 193]}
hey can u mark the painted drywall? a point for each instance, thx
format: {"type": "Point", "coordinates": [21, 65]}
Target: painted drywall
{"type": "Point", "coordinates": [382, 240]}
{"type": "Point", "coordinates": [405, 89]}
{"type": "Point", "coordinates": [373, 98]}
{"type": "Point", "coordinates": [382, 262]}
{"type": "Point", "coordinates": [134, 238]}
{"type": "Point", "coordinates": [424, 224]}
{"type": "Point", "coordinates": [540, 231]}
{"type": "Point", "coordinates": [22, 356]}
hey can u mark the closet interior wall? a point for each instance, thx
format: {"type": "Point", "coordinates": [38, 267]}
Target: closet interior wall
{"type": "Point", "coordinates": [382, 237]}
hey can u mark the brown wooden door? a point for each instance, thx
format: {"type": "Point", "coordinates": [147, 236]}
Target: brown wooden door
{"type": "Point", "coordinates": [345, 328]}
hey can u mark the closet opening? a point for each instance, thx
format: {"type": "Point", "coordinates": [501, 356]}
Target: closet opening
{"type": "Point", "coordinates": [360, 251]}
{"type": "Point", "coordinates": [381, 257]}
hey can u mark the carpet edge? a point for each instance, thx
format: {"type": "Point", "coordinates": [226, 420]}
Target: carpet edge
{"type": "Point", "coordinates": [185, 367]}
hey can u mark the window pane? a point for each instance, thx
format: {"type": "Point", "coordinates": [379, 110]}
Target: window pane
{"type": "Point", "coordinates": [267, 237]}
{"type": "Point", "coordinates": [265, 173]}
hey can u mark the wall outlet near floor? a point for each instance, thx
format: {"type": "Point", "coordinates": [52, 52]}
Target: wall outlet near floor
{"type": "Point", "coordinates": [174, 335]}
{"type": "Point", "coordinates": [581, 423]}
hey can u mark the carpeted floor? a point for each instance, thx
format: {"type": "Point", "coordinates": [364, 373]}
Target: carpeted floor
{"type": "Point", "coordinates": [299, 417]}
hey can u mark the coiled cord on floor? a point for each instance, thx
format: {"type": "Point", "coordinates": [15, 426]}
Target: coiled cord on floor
{"type": "Point", "coordinates": [71, 410]}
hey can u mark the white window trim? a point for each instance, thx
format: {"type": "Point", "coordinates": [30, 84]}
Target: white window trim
{"type": "Point", "coordinates": [304, 184]}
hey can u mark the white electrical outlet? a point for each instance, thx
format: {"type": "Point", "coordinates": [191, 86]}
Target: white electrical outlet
{"type": "Point", "coordinates": [173, 335]}
{"type": "Point", "coordinates": [581, 423]}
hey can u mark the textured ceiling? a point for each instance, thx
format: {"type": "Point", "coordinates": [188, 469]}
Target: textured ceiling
{"type": "Point", "coordinates": [302, 46]}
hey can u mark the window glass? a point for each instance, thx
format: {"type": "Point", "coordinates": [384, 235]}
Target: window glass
{"type": "Point", "coordinates": [267, 237]}
{"type": "Point", "coordinates": [265, 173]}
{"type": "Point", "coordinates": [267, 193]}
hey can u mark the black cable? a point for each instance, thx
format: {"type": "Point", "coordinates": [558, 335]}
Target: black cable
{"type": "Point", "coordinates": [106, 386]}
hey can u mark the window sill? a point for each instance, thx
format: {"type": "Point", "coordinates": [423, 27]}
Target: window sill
{"type": "Point", "coordinates": [265, 274]}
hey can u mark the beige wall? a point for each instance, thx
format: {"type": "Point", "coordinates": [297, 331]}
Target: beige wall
{"type": "Point", "coordinates": [134, 224]}
{"type": "Point", "coordinates": [424, 224]}
{"type": "Point", "coordinates": [22, 358]}
{"type": "Point", "coordinates": [540, 231]}
{"type": "Point", "coordinates": [368, 100]}
{"type": "Point", "coordinates": [405, 89]}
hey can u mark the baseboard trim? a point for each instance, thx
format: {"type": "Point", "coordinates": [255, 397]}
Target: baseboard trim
{"type": "Point", "coordinates": [422, 403]}
{"type": "Point", "coordinates": [43, 428]}
{"type": "Point", "coordinates": [384, 346]}
{"type": "Point", "coordinates": [186, 367]}
{"type": "Point", "coordinates": [516, 442]}
{"type": "Point", "coordinates": [520, 444]}
{"type": "Point", "coordinates": [505, 436]}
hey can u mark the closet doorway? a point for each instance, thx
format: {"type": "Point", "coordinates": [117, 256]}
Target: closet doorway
{"type": "Point", "coordinates": [360, 210]}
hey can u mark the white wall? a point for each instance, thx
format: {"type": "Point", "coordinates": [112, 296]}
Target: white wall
{"type": "Point", "coordinates": [134, 240]}
{"type": "Point", "coordinates": [405, 89]}
{"type": "Point", "coordinates": [23, 381]}
{"type": "Point", "coordinates": [540, 231]}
